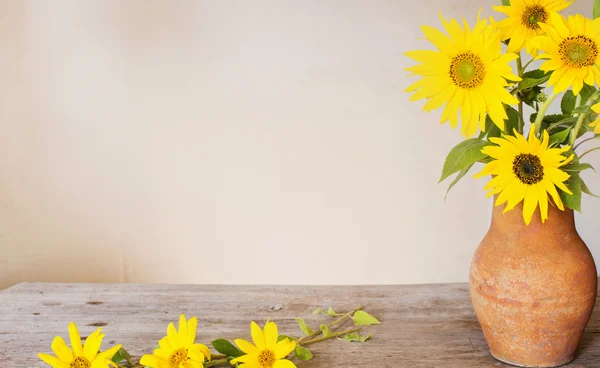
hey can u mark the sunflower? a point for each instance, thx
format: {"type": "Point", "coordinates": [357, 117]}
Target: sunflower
{"type": "Point", "coordinates": [571, 48]}
{"type": "Point", "coordinates": [467, 72]}
{"type": "Point", "coordinates": [523, 18]}
{"type": "Point", "coordinates": [596, 124]}
{"type": "Point", "coordinates": [177, 349]}
{"type": "Point", "coordinates": [526, 171]}
{"type": "Point", "coordinates": [266, 351]}
{"type": "Point", "coordinates": [78, 356]}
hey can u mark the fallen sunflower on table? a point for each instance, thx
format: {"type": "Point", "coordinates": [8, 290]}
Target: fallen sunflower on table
{"type": "Point", "coordinates": [78, 356]}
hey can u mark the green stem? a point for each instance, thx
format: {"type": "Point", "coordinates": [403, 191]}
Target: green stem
{"type": "Point", "coordinates": [542, 113]}
{"type": "Point", "coordinates": [584, 141]}
{"type": "Point", "coordinates": [519, 65]}
{"type": "Point", "coordinates": [323, 338]}
{"type": "Point", "coordinates": [528, 63]}
{"type": "Point", "coordinates": [334, 323]}
{"type": "Point", "coordinates": [575, 131]}
{"type": "Point", "coordinates": [521, 122]}
{"type": "Point", "coordinates": [590, 151]}
{"type": "Point", "coordinates": [214, 363]}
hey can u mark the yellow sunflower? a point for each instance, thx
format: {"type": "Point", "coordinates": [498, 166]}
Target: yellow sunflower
{"type": "Point", "coordinates": [571, 49]}
{"type": "Point", "coordinates": [596, 124]}
{"type": "Point", "coordinates": [177, 349]}
{"type": "Point", "coordinates": [266, 351]}
{"type": "Point", "coordinates": [526, 171]}
{"type": "Point", "coordinates": [522, 20]}
{"type": "Point", "coordinates": [467, 71]}
{"type": "Point", "coordinates": [86, 356]}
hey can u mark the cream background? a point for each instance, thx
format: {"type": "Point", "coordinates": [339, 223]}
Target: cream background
{"type": "Point", "coordinates": [240, 141]}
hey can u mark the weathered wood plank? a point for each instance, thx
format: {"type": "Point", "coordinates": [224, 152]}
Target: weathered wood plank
{"type": "Point", "coordinates": [423, 325]}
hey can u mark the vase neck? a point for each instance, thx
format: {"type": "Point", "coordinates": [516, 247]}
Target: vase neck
{"type": "Point", "coordinates": [512, 221]}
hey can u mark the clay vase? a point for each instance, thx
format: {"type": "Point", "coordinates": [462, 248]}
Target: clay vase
{"type": "Point", "coordinates": [533, 287]}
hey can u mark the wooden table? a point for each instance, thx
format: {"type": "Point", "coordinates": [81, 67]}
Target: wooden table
{"type": "Point", "coordinates": [423, 325]}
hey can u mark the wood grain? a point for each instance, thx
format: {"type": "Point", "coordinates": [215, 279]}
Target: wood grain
{"type": "Point", "coordinates": [423, 325]}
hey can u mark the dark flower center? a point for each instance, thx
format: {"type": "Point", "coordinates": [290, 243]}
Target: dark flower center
{"type": "Point", "coordinates": [532, 15]}
{"type": "Point", "coordinates": [80, 362]}
{"type": "Point", "coordinates": [528, 168]}
{"type": "Point", "coordinates": [178, 356]}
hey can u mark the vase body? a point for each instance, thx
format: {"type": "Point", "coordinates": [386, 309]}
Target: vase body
{"type": "Point", "coordinates": [533, 287]}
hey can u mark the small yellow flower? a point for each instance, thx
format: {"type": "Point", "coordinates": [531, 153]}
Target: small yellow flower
{"type": "Point", "coordinates": [523, 18]}
{"type": "Point", "coordinates": [571, 48]}
{"type": "Point", "coordinates": [177, 349]}
{"type": "Point", "coordinates": [467, 72]}
{"type": "Point", "coordinates": [526, 171]}
{"type": "Point", "coordinates": [86, 356]}
{"type": "Point", "coordinates": [266, 351]}
{"type": "Point", "coordinates": [596, 124]}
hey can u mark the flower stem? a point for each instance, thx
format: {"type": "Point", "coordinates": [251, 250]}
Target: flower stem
{"type": "Point", "coordinates": [542, 113]}
{"type": "Point", "coordinates": [520, 71]}
{"type": "Point", "coordinates": [214, 363]}
{"type": "Point", "coordinates": [575, 131]}
{"type": "Point", "coordinates": [584, 141]}
{"type": "Point", "coordinates": [590, 151]}
{"type": "Point", "coordinates": [323, 338]}
{"type": "Point", "coordinates": [331, 325]}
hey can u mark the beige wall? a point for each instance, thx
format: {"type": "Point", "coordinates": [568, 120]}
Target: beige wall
{"type": "Point", "coordinates": [228, 142]}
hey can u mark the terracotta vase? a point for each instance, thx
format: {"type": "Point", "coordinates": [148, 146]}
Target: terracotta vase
{"type": "Point", "coordinates": [533, 288]}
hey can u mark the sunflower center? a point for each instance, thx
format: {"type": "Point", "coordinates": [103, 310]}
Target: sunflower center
{"type": "Point", "coordinates": [578, 52]}
{"type": "Point", "coordinates": [179, 356]}
{"type": "Point", "coordinates": [80, 362]}
{"type": "Point", "coordinates": [532, 15]}
{"type": "Point", "coordinates": [266, 359]}
{"type": "Point", "coordinates": [528, 168]}
{"type": "Point", "coordinates": [467, 70]}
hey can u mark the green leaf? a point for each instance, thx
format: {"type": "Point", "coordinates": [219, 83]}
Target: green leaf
{"type": "Point", "coordinates": [584, 109]}
{"type": "Point", "coordinates": [331, 312]}
{"type": "Point", "coordinates": [596, 11]}
{"type": "Point", "coordinates": [492, 130]}
{"type": "Point", "coordinates": [532, 79]}
{"type": "Point", "coordinates": [460, 175]}
{"type": "Point", "coordinates": [304, 327]}
{"type": "Point", "coordinates": [560, 137]}
{"type": "Point", "coordinates": [326, 331]}
{"type": "Point", "coordinates": [362, 318]}
{"type": "Point", "coordinates": [567, 103]}
{"type": "Point", "coordinates": [302, 353]}
{"type": "Point", "coordinates": [283, 337]}
{"type": "Point", "coordinates": [506, 2]}
{"type": "Point", "coordinates": [318, 311]}
{"type": "Point", "coordinates": [354, 337]}
{"type": "Point", "coordinates": [569, 122]}
{"type": "Point", "coordinates": [586, 92]}
{"type": "Point", "coordinates": [585, 189]}
{"type": "Point", "coordinates": [512, 123]}
{"type": "Point", "coordinates": [573, 201]}
{"type": "Point", "coordinates": [569, 100]}
{"type": "Point", "coordinates": [121, 355]}
{"type": "Point", "coordinates": [462, 155]}
{"type": "Point", "coordinates": [549, 120]}
{"type": "Point", "coordinates": [226, 348]}
{"type": "Point", "coordinates": [531, 96]}
{"type": "Point", "coordinates": [577, 167]}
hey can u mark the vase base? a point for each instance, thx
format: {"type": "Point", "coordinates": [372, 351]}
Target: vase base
{"type": "Point", "coordinates": [546, 365]}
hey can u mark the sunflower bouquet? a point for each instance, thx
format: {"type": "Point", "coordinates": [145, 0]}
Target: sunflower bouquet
{"type": "Point", "coordinates": [484, 77]}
